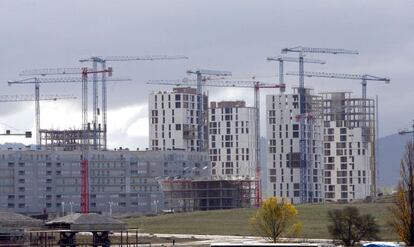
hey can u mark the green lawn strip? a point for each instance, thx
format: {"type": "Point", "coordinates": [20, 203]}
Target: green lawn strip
{"type": "Point", "coordinates": [236, 222]}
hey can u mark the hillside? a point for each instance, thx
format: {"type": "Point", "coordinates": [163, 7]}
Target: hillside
{"type": "Point", "coordinates": [391, 150]}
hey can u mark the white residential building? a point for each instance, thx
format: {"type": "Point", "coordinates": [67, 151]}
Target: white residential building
{"type": "Point", "coordinates": [285, 178]}
{"type": "Point", "coordinates": [173, 120]}
{"type": "Point", "coordinates": [349, 137]}
{"type": "Point", "coordinates": [232, 139]}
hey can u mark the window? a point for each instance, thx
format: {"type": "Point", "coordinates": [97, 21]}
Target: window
{"type": "Point", "coordinates": [178, 127]}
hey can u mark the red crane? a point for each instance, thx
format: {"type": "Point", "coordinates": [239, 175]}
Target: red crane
{"type": "Point", "coordinates": [85, 139]}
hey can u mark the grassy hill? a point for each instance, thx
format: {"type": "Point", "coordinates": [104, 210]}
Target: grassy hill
{"type": "Point", "coordinates": [236, 222]}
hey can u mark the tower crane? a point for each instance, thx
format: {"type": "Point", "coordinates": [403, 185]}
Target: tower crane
{"type": "Point", "coordinates": [85, 135]}
{"type": "Point", "coordinates": [23, 98]}
{"type": "Point", "coordinates": [102, 60]}
{"type": "Point", "coordinates": [74, 71]}
{"type": "Point", "coordinates": [364, 78]}
{"type": "Point", "coordinates": [38, 80]}
{"type": "Point", "coordinates": [304, 186]}
{"type": "Point", "coordinates": [282, 59]}
{"type": "Point", "coordinates": [257, 85]}
{"type": "Point", "coordinates": [200, 77]}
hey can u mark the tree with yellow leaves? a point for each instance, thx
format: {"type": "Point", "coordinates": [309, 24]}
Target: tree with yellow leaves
{"type": "Point", "coordinates": [274, 218]}
{"type": "Point", "coordinates": [403, 210]}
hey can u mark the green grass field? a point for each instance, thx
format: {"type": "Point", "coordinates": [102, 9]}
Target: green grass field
{"type": "Point", "coordinates": [236, 222]}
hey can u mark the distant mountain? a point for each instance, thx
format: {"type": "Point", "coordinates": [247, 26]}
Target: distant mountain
{"type": "Point", "coordinates": [391, 150]}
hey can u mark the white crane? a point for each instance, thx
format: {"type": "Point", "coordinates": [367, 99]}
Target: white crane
{"type": "Point", "coordinates": [36, 98]}
{"type": "Point", "coordinates": [75, 71]}
{"type": "Point", "coordinates": [363, 78]}
{"type": "Point", "coordinates": [282, 59]}
{"type": "Point", "coordinates": [103, 60]}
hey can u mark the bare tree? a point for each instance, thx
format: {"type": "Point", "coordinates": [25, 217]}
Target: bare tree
{"type": "Point", "coordinates": [403, 209]}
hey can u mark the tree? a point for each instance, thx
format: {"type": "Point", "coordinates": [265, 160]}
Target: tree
{"type": "Point", "coordinates": [350, 227]}
{"type": "Point", "coordinates": [274, 218]}
{"type": "Point", "coordinates": [403, 209]}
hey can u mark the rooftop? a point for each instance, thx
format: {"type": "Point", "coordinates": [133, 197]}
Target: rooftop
{"type": "Point", "coordinates": [87, 222]}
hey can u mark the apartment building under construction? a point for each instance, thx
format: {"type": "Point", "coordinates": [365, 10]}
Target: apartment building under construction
{"type": "Point", "coordinates": [286, 177]}
{"type": "Point", "coordinates": [349, 146]}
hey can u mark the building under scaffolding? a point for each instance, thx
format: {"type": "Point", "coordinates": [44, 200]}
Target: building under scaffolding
{"type": "Point", "coordinates": [349, 146]}
{"type": "Point", "coordinates": [191, 195]}
{"type": "Point", "coordinates": [71, 139]}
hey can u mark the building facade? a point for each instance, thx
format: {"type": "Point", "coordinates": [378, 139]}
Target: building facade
{"type": "Point", "coordinates": [34, 181]}
{"type": "Point", "coordinates": [173, 120]}
{"type": "Point", "coordinates": [349, 141]}
{"type": "Point", "coordinates": [232, 140]}
{"type": "Point", "coordinates": [286, 177]}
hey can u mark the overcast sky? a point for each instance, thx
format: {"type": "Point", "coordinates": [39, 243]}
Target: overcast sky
{"type": "Point", "coordinates": [231, 35]}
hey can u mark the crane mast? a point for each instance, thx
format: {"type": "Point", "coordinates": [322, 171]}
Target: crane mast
{"type": "Point", "coordinates": [306, 194]}
{"type": "Point", "coordinates": [201, 122]}
{"type": "Point", "coordinates": [102, 61]}
{"type": "Point", "coordinates": [85, 139]}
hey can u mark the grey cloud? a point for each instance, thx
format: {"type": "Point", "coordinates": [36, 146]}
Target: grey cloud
{"type": "Point", "coordinates": [232, 35]}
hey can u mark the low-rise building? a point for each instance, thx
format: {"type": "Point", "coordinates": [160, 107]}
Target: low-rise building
{"type": "Point", "coordinates": [34, 181]}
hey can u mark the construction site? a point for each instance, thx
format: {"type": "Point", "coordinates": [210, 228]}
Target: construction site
{"type": "Point", "coordinates": [194, 195]}
{"type": "Point", "coordinates": [201, 155]}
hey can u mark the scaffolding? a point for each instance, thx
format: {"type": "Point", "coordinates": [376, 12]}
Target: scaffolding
{"type": "Point", "coordinates": [71, 139]}
{"type": "Point", "coordinates": [195, 195]}
{"type": "Point", "coordinates": [310, 124]}
{"type": "Point", "coordinates": [352, 112]}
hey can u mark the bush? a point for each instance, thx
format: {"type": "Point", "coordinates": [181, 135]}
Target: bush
{"type": "Point", "coordinates": [350, 227]}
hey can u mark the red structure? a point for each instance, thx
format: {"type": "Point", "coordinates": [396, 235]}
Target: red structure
{"type": "Point", "coordinates": [85, 187]}
{"type": "Point", "coordinates": [85, 138]}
